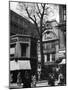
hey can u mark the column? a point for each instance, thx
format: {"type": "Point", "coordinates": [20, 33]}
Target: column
{"type": "Point", "coordinates": [50, 57]}
{"type": "Point", "coordinates": [39, 58]}
{"type": "Point", "coordinates": [57, 52]}
{"type": "Point", "coordinates": [18, 50]}
{"type": "Point", "coordinates": [45, 58]}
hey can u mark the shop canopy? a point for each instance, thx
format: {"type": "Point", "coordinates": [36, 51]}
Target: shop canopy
{"type": "Point", "coordinates": [20, 65]}
{"type": "Point", "coordinates": [62, 62]}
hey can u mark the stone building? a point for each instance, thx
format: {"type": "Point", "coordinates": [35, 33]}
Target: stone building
{"type": "Point", "coordinates": [23, 44]}
{"type": "Point", "coordinates": [54, 43]}
{"type": "Point", "coordinates": [62, 39]}
{"type": "Point", "coordinates": [50, 47]}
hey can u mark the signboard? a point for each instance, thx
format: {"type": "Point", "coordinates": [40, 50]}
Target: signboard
{"type": "Point", "coordinates": [20, 39]}
{"type": "Point", "coordinates": [12, 50]}
{"type": "Point", "coordinates": [49, 35]}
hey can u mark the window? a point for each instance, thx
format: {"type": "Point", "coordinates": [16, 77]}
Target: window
{"type": "Point", "coordinates": [48, 57]}
{"type": "Point", "coordinates": [53, 57]}
{"type": "Point", "coordinates": [48, 46]}
{"type": "Point", "coordinates": [53, 45]}
{"type": "Point", "coordinates": [12, 50]}
{"type": "Point", "coordinates": [23, 49]}
{"type": "Point", "coordinates": [44, 46]}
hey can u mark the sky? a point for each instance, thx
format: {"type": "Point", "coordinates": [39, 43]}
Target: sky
{"type": "Point", "coordinates": [52, 16]}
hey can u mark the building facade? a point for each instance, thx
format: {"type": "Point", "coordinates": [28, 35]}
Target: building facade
{"type": "Point", "coordinates": [23, 48]}
{"type": "Point", "coordinates": [50, 47]}
{"type": "Point", "coordinates": [54, 44]}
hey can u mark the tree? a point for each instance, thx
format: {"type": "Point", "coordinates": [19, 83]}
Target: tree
{"type": "Point", "coordinates": [37, 13]}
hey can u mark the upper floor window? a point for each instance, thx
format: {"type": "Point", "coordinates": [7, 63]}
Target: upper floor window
{"type": "Point", "coordinates": [64, 13]}
{"type": "Point", "coordinates": [49, 45]}
{"type": "Point", "coordinates": [12, 50]}
{"type": "Point", "coordinates": [23, 49]}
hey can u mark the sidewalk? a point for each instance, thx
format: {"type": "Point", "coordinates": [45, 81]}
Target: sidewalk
{"type": "Point", "coordinates": [38, 84]}
{"type": "Point", "coordinates": [42, 83]}
{"type": "Point", "coordinates": [15, 86]}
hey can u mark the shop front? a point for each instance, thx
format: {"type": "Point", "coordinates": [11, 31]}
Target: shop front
{"type": "Point", "coordinates": [23, 62]}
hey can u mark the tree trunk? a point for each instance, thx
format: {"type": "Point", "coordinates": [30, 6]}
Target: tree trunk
{"type": "Point", "coordinates": [42, 56]}
{"type": "Point", "coordinates": [41, 52]}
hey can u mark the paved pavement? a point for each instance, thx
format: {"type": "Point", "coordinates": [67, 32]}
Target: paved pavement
{"type": "Point", "coordinates": [38, 84]}
{"type": "Point", "coordinates": [42, 83]}
{"type": "Point", "coordinates": [15, 86]}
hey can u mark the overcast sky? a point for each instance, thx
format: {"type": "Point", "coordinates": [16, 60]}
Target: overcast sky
{"type": "Point", "coordinates": [54, 16]}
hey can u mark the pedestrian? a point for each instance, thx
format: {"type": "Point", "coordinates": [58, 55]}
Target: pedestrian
{"type": "Point", "coordinates": [51, 80]}
{"type": "Point", "coordinates": [61, 79]}
{"type": "Point", "coordinates": [19, 79]}
{"type": "Point", "coordinates": [33, 84]}
{"type": "Point", "coordinates": [26, 80]}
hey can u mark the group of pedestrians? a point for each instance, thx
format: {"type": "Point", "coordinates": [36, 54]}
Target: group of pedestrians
{"type": "Point", "coordinates": [28, 80]}
{"type": "Point", "coordinates": [56, 78]}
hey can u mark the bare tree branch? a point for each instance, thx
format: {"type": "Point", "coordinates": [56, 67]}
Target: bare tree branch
{"type": "Point", "coordinates": [42, 5]}
{"type": "Point", "coordinates": [38, 9]}
{"type": "Point", "coordinates": [29, 15]}
{"type": "Point", "coordinates": [36, 24]}
{"type": "Point", "coordinates": [38, 14]}
{"type": "Point", "coordinates": [43, 8]}
{"type": "Point", "coordinates": [34, 20]}
{"type": "Point", "coordinates": [41, 19]}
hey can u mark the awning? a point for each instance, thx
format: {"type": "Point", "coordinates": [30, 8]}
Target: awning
{"type": "Point", "coordinates": [24, 65]}
{"type": "Point", "coordinates": [63, 61]}
{"type": "Point", "coordinates": [20, 65]}
{"type": "Point", "coordinates": [14, 65]}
